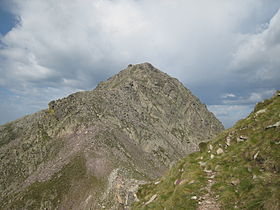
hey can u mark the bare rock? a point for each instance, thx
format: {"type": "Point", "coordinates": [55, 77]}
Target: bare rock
{"type": "Point", "coordinates": [191, 182]}
{"type": "Point", "coordinates": [194, 197]}
{"type": "Point", "coordinates": [156, 183]}
{"type": "Point", "coordinates": [183, 181]}
{"type": "Point", "coordinates": [235, 181]}
{"type": "Point", "coordinates": [274, 125]}
{"type": "Point", "coordinates": [256, 155]}
{"type": "Point", "coordinates": [202, 163]}
{"type": "Point", "coordinates": [220, 151]}
{"type": "Point", "coordinates": [228, 140]}
{"type": "Point", "coordinates": [151, 199]}
{"type": "Point", "coordinates": [241, 138]}
{"type": "Point", "coordinates": [260, 112]}
{"type": "Point", "coordinates": [208, 171]}
{"type": "Point", "coordinates": [212, 177]}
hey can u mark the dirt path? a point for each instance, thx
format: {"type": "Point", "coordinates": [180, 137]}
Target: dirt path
{"type": "Point", "coordinates": [208, 201]}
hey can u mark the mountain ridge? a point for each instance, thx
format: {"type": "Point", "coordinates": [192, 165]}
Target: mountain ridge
{"type": "Point", "coordinates": [97, 146]}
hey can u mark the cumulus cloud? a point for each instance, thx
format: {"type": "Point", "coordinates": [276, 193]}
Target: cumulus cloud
{"type": "Point", "coordinates": [228, 95]}
{"type": "Point", "coordinates": [217, 48]}
{"type": "Point", "coordinates": [229, 114]}
{"type": "Point", "coordinates": [252, 98]}
{"type": "Point", "coordinates": [256, 60]}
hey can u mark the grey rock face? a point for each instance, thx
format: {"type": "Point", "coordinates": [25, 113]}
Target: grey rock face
{"type": "Point", "coordinates": [97, 146]}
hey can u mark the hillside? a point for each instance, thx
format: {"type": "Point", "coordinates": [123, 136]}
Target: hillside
{"type": "Point", "coordinates": [92, 149]}
{"type": "Point", "coordinates": [239, 169]}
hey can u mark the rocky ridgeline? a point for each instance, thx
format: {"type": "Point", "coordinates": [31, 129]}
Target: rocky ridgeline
{"type": "Point", "coordinates": [92, 149]}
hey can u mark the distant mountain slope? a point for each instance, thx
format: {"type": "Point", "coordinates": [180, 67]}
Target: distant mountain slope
{"type": "Point", "coordinates": [239, 169]}
{"type": "Point", "coordinates": [92, 149]}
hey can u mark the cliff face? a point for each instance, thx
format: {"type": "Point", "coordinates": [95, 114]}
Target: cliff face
{"type": "Point", "coordinates": [239, 169]}
{"type": "Point", "coordinates": [93, 148]}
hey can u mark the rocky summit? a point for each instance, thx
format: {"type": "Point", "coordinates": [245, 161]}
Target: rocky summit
{"type": "Point", "coordinates": [92, 149]}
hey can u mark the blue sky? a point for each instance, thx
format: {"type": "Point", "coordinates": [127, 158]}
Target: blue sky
{"type": "Point", "coordinates": [7, 21]}
{"type": "Point", "coordinates": [225, 52]}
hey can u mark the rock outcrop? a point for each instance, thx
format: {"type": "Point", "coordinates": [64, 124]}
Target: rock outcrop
{"type": "Point", "coordinates": [92, 149]}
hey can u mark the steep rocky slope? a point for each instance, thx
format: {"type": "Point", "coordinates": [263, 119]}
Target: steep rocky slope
{"type": "Point", "coordinates": [239, 169]}
{"type": "Point", "coordinates": [92, 149]}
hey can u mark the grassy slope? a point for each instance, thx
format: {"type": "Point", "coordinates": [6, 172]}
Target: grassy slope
{"type": "Point", "coordinates": [246, 173]}
{"type": "Point", "coordinates": [50, 194]}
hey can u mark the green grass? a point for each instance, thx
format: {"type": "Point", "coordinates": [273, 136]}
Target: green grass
{"type": "Point", "coordinates": [173, 195]}
{"type": "Point", "coordinates": [238, 162]}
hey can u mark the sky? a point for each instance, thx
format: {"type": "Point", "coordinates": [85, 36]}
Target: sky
{"type": "Point", "coordinates": [225, 51]}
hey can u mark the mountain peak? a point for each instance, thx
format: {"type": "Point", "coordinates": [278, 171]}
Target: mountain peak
{"type": "Point", "coordinates": [98, 146]}
{"type": "Point", "coordinates": [144, 73]}
{"type": "Point", "coordinates": [145, 65]}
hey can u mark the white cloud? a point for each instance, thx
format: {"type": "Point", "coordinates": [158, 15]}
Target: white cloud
{"type": "Point", "coordinates": [251, 99]}
{"type": "Point", "coordinates": [228, 95]}
{"type": "Point", "coordinates": [16, 103]}
{"type": "Point", "coordinates": [234, 108]}
{"type": "Point", "coordinates": [257, 59]}
{"type": "Point", "coordinates": [70, 45]}
{"type": "Point", "coordinates": [72, 39]}
{"type": "Point", "coordinates": [229, 114]}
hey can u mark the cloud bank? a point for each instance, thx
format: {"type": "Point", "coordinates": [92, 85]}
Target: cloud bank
{"type": "Point", "coordinates": [216, 48]}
